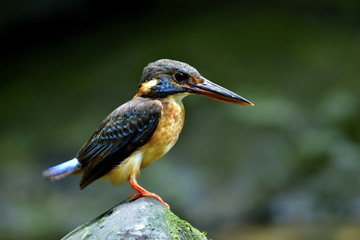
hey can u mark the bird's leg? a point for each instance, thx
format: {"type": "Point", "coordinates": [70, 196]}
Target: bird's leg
{"type": "Point", "coordinates": [143, 192]}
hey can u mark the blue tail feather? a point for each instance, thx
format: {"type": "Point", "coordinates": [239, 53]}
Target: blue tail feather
{"type": "Point", "coordinates": [62, 170]}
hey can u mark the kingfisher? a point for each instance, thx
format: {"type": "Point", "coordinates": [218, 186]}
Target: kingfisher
{"type": "Point", "coordinates": [143, 129]}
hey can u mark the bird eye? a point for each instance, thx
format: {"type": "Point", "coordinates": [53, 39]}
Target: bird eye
{"type": "Point", "coordinates": [179, 76]}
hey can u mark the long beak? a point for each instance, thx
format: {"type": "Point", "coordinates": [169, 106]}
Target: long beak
{"type": "Point", "coordinates": [209, 89]}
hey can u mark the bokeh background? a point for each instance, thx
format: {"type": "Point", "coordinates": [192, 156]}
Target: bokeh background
{"type": "Point", "coordinates": [287, 168]}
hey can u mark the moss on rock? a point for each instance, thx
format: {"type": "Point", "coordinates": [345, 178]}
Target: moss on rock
{"type": "Point", "coordinates": [181, 229]}
{"type": "Point", "coordinates": [145, 218]}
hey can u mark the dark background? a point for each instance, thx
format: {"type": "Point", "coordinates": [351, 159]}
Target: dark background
{"type": "Point", "coordinates": [287, 168]}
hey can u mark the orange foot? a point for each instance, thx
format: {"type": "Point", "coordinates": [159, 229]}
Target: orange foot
{"type": "Point", "coordinates": [144, 193]}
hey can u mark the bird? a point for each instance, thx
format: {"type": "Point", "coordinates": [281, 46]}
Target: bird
{"type": "Point", "coordinates": [143, 129]}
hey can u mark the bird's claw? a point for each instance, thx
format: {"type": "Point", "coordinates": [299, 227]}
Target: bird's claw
{"type": "Point", "coordinates": [149, 194]}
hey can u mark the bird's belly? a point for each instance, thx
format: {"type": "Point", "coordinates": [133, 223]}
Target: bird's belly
{"type": "Point", "coordinates": [167, 132]}
{"type": "Point", "coordinates": [122, 172]}
{"type": "Point", "coordinates": [163, 139]}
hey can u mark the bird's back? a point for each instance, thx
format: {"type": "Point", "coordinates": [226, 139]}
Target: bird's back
{"type": "Point", "coordinates": [125, 130]}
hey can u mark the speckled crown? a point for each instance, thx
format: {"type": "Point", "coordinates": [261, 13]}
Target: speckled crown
{"type": "Point", "coordinates": [167, 66]}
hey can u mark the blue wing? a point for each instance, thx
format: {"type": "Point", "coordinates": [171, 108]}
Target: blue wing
{"type": "Point", "coordinates": [127, 128]}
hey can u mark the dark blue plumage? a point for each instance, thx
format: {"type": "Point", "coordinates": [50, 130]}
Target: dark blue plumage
{"type": "Point", "coordinates": [120, 134]}
{"type": "Point", "coordinates": [165, 88]}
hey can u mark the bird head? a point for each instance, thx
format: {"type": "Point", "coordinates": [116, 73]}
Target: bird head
{"type": "Point", "coordinates": [165, 77]}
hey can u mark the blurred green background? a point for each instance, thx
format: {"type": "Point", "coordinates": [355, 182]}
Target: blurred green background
{"type": "Point", "coordinates": [287, 168]}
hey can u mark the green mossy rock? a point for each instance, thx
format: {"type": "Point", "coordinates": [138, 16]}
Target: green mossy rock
{"type": "Point", "coordinates": [144, 218]}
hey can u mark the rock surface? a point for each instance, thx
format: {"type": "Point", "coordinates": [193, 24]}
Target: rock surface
{"type": "Point", "coordinates": [144, 218]}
